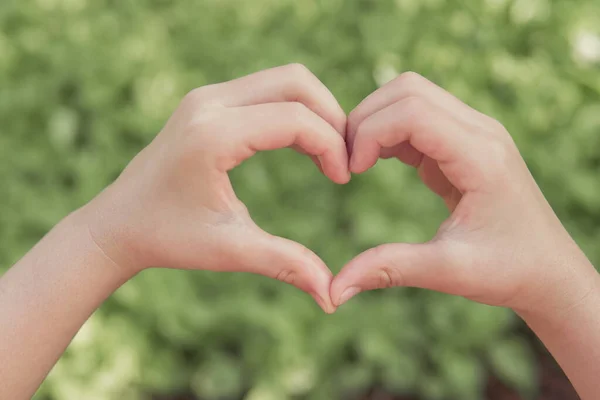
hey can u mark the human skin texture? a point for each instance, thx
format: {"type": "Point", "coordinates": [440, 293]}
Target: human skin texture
{"type": "Point", "coordinates": [502, 244]}
{"type": "Point", "coordinates": [174, 206]}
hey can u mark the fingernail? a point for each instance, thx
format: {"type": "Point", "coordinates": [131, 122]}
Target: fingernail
{"type": "Point", "coordinates": [348, 294]}
{"type": "Point", "coordinates": [320, 302]}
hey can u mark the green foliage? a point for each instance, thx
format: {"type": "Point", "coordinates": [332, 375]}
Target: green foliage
{"type": "Point", "coordinates": [512, 360]}
{"type": "Point", "coordinates": [84, 85]}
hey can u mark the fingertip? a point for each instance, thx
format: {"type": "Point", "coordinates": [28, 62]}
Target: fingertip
{"type": "Point", "coordinates": [336, 168]}
{"type": "Point", "coordinates": [320, 279]}
{"type": "Point", "coordinates": [344, 177]}
{"type": "Point", "coordinates": [327, 306]}
{"type": "Point", "coordinates": [341, 176]}
{"type": "Point", "coordinates": [357, 166]}
{"type": "Point", "coordinates": [338, 289]}
{"type": "Point", "coordinates": [350, 281]}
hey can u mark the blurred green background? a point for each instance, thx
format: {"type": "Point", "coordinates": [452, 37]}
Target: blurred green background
{"type": "Point", "coordinates": [84, 85]}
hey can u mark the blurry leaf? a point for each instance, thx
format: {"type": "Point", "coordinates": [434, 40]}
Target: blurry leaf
{"type": "Point", "coordinates": [514, 363]}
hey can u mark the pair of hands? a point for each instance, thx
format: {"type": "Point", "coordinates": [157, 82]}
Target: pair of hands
{"type": "Point", "coordinates": [502, 245]}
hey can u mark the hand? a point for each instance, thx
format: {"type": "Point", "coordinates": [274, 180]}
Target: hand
{"type": "Point", "coordinates": [502, 244]}
{"type": "Point", "coordinates": [174, 205]}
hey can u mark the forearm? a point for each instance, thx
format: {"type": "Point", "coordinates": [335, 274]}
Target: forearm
{"type": "Point", "coordinates": [573, 338]}
{"type": "Point", "coordinates": [45, 298]}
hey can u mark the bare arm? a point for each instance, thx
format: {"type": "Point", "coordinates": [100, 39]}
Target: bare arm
{"type": "Point", "coordinates": [573, 338]}
{"type": "Point", "coordinates": [502, 244]}
{"type": "Point", "coordinates": [173, 206]}
{"type": "Point", "coordinates": [44, 300]}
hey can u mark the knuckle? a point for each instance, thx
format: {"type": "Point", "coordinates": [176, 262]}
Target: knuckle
{"type": "Point", "coordinates": [498, 152]}
{"type": "Point", "coordinates": [203, 134]}
{"type": "Point", "coordinates": [296, 82]}
{"type": "Point", "coordinates": [307, 253]}
{"type": "Point", "coordinates": [389, 277]}
{"type": "Point", "coordinates": [410, 78]}
{"type": "Point", "coordinates": [297, 70]}
{"type": "Point", "coordinates": [197, 96]}
{"type": "Point", "coordinates": [389, 274]}
{"type": "Point", "coordinates": [204, 122]}
{"type": "Point", "coordinates": [287, 276]}
{"type": "Point", "coordinates": [499, 156]}
{"type": "Point", "coordinates": [496, 126]}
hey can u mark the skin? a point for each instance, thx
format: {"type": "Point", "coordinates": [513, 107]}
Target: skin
{"type": "Point", "coordinates": [502, 244]}
{"type": "Point", "coordinates": [174, 206]}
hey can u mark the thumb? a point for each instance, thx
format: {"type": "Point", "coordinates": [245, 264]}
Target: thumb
{"type": "Point", "coordinates": [287, 261]}
{"type": "Point", "coordinates": [389, 265]}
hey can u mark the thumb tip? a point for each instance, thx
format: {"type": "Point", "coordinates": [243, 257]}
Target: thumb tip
{"type": "Point", "coordinates": [347, 294]}
{"type": "Point", "coordinates": [327, 306]}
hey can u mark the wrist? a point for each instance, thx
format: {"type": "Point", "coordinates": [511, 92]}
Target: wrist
{"type": "Point", "coordinates": [81, 258]}
{"type": "Point", "coordinates": [567, 297]}
{"type": "Point", "coordinates": [108, 231]}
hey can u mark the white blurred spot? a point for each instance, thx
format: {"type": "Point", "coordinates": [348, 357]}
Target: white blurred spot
{"type": "Point", "coordinates": [63, 127]}
{"type": "Point", "coordinates": [299, 380]}
{"type": "Point", "coordinates": [86, 335]}
{"type": "Point", "coordinates": [384, 72]}
{"type": "Point", "coordinates": [264, 393]}
{"type": "Point", "coordinates": [586, 47]}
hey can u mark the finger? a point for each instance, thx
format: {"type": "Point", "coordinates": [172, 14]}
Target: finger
{"type": "Point", "coordinates": [288, 83]}
{"type": "Point", "coordinates": [245, 130]}
{"type": "Point", "coordinates": [411, 84]}
{"type": "Point", "coordinates": [389, 265]}
{"type": "Point", "coordinates": [431, 131]}
{"type": "Point", "coordinates": [314, 159]}
{"type": "Point", "coordinates": [285, 260]}
{"type": "Point", "coordinates": [405, 152]}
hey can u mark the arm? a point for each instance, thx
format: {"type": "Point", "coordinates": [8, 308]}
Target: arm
{"type": "Point", "coordinates": [44, 300]}
{"type": "Point", "coordinates": [502, 244]}
{"type": "Point", "coordinates": [573, 337]}
{"type": "Point", "coordinates": [173, 206]}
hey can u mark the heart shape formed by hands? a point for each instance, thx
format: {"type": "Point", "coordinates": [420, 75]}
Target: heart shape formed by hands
{"type": "Point", "coordinates": [181, 210]}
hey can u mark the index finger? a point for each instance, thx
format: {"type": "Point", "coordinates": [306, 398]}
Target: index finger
{"type": "Point", "coordinates": [411, 84]}
{"type": "Point", "coordinates": [464, 157]}
{"type": "Point", "coordinates": [238, 133]}
{"type": "Point", "coordinates": [288, 83]}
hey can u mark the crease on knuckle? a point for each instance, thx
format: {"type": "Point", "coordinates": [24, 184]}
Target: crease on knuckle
{"type": "Point", "coordinates": [389, 277]}
{"type": "Point", "coordinates": [287, 276]}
